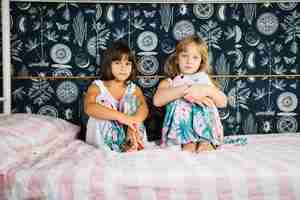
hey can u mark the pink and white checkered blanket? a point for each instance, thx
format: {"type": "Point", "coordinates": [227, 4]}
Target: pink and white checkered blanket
{"type": "Point", "coordinates": [266, 168]}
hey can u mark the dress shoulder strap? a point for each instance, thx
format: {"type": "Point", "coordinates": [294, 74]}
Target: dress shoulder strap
{"type": "Point", "coordinates": [170, 81]}
{"type": "Point", "coordinates": [100, 85]}
{"type": "Point", "coordinates": [131, 88]}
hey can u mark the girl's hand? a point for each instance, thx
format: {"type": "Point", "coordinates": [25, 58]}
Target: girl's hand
{"type": "Point", "coordinates": [198, 94]}
{"type": "Point", "coordinates": [136, 141]}
{"type": "Point", "coordinates": [197, 91]}
{"type": "Point", "coordinates": [206, 101]}
{"type": "Point", "coordinates": [140, 142]}
{"type": "Point", "coordinates": [130, 121]}
{"type": "Point", "coordinates": [132, 135]}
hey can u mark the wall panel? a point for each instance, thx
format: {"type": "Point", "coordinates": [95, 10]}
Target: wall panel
{"type": "Point", "coordinates": [254, 48]}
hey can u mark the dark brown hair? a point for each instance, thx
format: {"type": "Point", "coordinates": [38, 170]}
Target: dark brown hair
{"type": "Point", "coordinates": [114, 53]}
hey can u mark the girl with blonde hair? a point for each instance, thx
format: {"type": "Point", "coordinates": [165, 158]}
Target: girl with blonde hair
{"type": "Point", "coordinates": [191, 98]}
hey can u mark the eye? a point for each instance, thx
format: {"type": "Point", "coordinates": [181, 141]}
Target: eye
{"type": "Point", "coordinates": [184, 55]}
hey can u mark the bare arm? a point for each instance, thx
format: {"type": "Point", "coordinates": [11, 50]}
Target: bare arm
{"type": "Point", "coordinates": [198, 92]}
{"type": "Point", "coordinates": [218, 97]}
{"type": "Point", "coordinates": [93, 109]}
{"type": "Point", "coordinates": [165, 93]}
{"type": "Point", "coordinates": [143, 110]}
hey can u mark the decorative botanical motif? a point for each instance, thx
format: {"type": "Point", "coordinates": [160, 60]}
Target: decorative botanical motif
{"type": "Point", "coordinates": [291, 26]}
{"type": "Point", "coordinates": [40, 91]}
{"type": "Point", "coordinates": [80, 29]}
{"type": "Point", "coordinates": [211, 33]}
{"type": "Point", "coordinates": [16, 48]}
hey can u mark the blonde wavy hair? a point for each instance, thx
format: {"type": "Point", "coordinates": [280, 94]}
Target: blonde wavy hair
{"type": "Point", "coordinates": [172, 67]}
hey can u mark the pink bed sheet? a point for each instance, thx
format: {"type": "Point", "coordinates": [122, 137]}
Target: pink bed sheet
{"type": "Point", "coordinates": [266, 168]}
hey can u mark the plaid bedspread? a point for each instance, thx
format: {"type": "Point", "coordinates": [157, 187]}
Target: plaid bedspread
{"type": "Point", "coordinates": [266, 168]}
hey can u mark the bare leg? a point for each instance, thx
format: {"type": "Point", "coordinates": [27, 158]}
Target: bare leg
{"type": "Point", "coordinates": [190, 147]}
{"type": "Point", "coordinates": [204, 146]}
{"type": "Point", "coordinates": [133, 140]}
{"type": "Point", "coordinates": [140, 142]}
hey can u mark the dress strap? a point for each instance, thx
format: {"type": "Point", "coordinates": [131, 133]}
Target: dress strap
{"type": "Point", "coordinates": [105, 95]}
{"type": "Point", "coordinates": [171, 82]}
{"type": "Point", "coordinates": [100, 85]}
{"type": "Point", "coordinates": [130, 88]}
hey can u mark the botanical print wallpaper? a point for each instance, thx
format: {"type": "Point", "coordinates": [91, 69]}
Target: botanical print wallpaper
{"type": "Point", "coordinates": [253, 48]}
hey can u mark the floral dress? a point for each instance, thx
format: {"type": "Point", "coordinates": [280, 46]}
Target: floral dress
{"type": "Point", "coordinates": [187, 122]}
{"type": "Point", "coordinates": [108, 134]}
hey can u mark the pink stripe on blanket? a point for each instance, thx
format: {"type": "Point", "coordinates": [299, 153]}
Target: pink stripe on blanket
{"type": "Point", "coordinates": [10, 177]}
{"type": "Point", "coordinates": [192, 182]}
{"type": "Point", "coordinates": [255, 192]}
{"type": "Point", "coordinates": [97, 179]}
{"type": "Point", "coordinates": [223, 182]}
{"type": "Point", "coordinates": [133, 193]}
{"type": "Point", "coordinates": [224, 188]}
{"type": "Point", "coordinates": [65, 185]}
{"type": "Point", "coordinates": [286, 189]}
{"type": "Point", "coordinates": [162, 193]}
{"type": "Point", "coordinates": [282, 171]}
{"type": "Point", "coordinates": [2, 186]}
{"type": "Point", "coordinates": [34, 187]}
{"type": "Point", "coordinates": [193, 190]}
{"type": "Point", "coordinates": [193, 194]}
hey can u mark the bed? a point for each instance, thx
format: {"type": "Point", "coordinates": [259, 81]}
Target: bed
{"type": "Point", "coordinates": [42, 159]}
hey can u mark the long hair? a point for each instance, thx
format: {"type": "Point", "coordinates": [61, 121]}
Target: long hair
{"type": "Point", "coordinates": [172, 67]}
{"type": "Point", "coordinates": [114, 53]}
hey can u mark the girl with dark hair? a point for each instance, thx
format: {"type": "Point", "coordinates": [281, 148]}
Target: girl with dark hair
{"type": "Point", "coordinates": [115, 105]}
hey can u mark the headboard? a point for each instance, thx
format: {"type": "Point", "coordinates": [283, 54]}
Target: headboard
{"type": "Point", "coordinates": [6, 69]}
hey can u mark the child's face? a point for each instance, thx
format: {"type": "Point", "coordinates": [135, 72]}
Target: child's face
{"type": "Point", "coordinates": [121, 69]}
{"type": "Point", "coordinates": [190, 59]}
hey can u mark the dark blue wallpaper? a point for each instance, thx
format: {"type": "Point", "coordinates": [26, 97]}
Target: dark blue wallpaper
{"type": "Point", "coordinates": [253, 47]}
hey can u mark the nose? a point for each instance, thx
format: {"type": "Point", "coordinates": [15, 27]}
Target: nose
{"type": "Point", "coordinates": [123, 65]}
{"type": "Point", "coordinates": [189, 59]}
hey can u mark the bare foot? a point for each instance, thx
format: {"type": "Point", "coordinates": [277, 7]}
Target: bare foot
{"type": "Point", "coordinates": [132, 135]}
{"type": "Point", "coordinates": [140, 144]}
{"type": "Point", "coordinates": [190, 147]}
{"type": "Point", "coordinates": [204, 146]}
{"type": "Point", "coordinates": [133, 147]}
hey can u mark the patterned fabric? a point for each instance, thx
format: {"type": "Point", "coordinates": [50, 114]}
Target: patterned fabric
{"type": "Point", "coordinates": [199, 78]}
{"type": "Point", "coordinates": [266, 168]}
{"type": "Point", "coordinates": [187, 122]}
{"type": "Point", "coordinates": [22, 132]}
{"type": "Point", "coordinates": [107, 134]}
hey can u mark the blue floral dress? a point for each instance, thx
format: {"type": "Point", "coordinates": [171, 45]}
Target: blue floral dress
{"type": "Point", "coordinates": [187, 122]}
{"type": "Point", "coordinates": [107, 134]}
